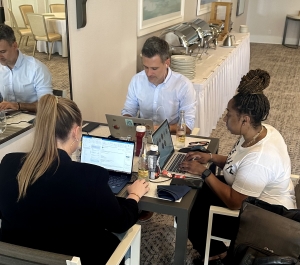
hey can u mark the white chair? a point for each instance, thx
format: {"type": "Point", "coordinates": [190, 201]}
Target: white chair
{"type": "Point", "coordinates": [40, 32]}
{"type": "Point", "coordinates": [216, 210]}
{"type": "Point", "coordinates": [225, 211]}
{"type": "Point", "coordinates": [132, 241]}
{"type": "Point", "coordinates": [18, 255]}
{"type": "Point", "coordinates": [22, 32]}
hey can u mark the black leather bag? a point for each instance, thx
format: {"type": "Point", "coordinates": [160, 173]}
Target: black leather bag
{"type": "Point", "coordinates": [269, 232]}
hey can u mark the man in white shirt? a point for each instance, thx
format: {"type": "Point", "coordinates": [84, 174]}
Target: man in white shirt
{"type": "Point", "coordinates": [23, 79]}
{"type": "Point", "coordinates": [157, 92]}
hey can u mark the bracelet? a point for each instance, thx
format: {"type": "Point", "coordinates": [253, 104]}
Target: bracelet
{"type": "Point", "coordinates": [210, 160]}
{"type": "Point", "coordinates": [135, 195]}
{"type": "Point", "coordinates": [19, 107]}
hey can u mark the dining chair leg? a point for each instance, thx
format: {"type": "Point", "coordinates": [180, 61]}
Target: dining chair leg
{"type": "Point", "coordinates": [34, 48]}
{"type": "Point", "coordinates": [20, 41]}
{"type": "Point", "coordinates": [51, 49]}
{"type": "Point", "coordinates": [27, 40]}
{"type": "Point", "coordinates": [47, 46]}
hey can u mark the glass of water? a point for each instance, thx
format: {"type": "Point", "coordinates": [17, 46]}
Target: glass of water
{"type": "Point", "coordinates": [2, 121]}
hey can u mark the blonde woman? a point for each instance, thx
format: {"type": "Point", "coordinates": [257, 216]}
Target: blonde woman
{"type": "Point", "coordinates": [49, 202]}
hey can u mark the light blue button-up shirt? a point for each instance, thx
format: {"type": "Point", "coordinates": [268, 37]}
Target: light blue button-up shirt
{"type": "Point", "coordinates": [161, 102]}
{"type": "Point", "coordinates": [27, 82]}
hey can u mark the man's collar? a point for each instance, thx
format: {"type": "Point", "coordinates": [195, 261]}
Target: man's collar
{"type": "Point", "coordinates": [168, 75]}
{"type": "Point", "coordinates": [19, 60]}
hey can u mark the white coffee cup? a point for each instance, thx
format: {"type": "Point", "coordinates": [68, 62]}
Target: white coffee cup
{"type": "Point", "coordinates": [243, 28]}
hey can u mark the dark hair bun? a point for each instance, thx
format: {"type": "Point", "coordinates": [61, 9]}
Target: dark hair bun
{"type": "Point", "coordinates": [255, 81]}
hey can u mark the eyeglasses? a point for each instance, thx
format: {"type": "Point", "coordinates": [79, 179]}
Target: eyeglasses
{"type": "Point", "coordinates": [202, 143]}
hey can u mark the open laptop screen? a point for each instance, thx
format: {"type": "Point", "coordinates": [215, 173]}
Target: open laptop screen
{"type": "Point", "coordinates": [163, 139]}
{"type": "Point", "coordinates": [113, 154]}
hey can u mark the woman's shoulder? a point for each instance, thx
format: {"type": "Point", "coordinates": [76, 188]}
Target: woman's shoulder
{"type": "Point", "coordinates": [89, 169]}
{"type": "Point", "coordinates": [11, 157]}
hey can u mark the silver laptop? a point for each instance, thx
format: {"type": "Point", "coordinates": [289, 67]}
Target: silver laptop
{"type": "Point", "coordinates": [113, 154]}
{"type": "Point", "coordinates": [169, 158]}
{"type": "Point", "coordinates": [123, 126]}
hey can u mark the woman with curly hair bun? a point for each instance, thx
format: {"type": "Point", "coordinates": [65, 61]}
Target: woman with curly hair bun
{"type": "Point", "coordinates": [257, 166]}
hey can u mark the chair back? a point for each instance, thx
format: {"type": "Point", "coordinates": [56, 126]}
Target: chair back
{"type": "Point", "coordinates": [38, 26]}
{"type": "Point", "coordinates": [24, 9]}
{"type": "Point", "coordinates": [18, 255]}
{"type": "Point", "coordinates": [57, 8]}
{"type": "Point", "coordinates": [14, 20]}
{"type": "Point", "coordinates": [60, 93]}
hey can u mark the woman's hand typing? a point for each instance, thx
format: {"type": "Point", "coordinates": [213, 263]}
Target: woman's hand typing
{"type": "Point", "coordinates": [198, 156]}
{"type": "Point", "coordinates": [192, 166]}
{"type": "Point", "coordinates": [138, 189]}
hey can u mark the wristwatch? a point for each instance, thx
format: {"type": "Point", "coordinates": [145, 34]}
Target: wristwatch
{"type": "Point", "coordinates": [205, 174]}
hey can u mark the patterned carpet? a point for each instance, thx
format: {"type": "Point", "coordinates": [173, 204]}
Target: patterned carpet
{"type": "Point", "coordinates": [158, 234]}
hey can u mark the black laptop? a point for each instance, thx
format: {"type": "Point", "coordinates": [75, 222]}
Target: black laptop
{"type": "Point", "coordinates": [113, 154]}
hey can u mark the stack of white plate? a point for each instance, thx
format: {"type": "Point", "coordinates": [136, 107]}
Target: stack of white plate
{"type": "Point", "coordinates": [184, 64]}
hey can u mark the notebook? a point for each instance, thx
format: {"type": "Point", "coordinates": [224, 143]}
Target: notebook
{"type": "Point", "coordinates": [169, 158]}
{"type": "Point", "coordinates": [113, 154]}
{"type": "Point", "coordinates": [123, 126]}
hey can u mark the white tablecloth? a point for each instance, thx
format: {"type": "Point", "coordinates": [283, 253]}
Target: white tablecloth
{"type": "Point", "coordinates": [217, 77]}
{"type": "Point", "coordinates": [56, 25]}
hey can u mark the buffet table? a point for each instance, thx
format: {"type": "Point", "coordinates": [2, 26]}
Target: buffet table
{"type": "Point", "coordinates": [56, 24]}
{"type": "Point", "coordinates": [218, 75]}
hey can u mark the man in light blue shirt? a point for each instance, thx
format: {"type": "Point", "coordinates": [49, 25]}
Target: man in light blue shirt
{"type": "Point", "coordinates": [23, 79]}
{"type": "Point", "coordinates": [157, 92]}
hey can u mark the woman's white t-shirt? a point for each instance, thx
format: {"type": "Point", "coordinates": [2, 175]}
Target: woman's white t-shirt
{"type": "Point", "coordinates": [262, 170]}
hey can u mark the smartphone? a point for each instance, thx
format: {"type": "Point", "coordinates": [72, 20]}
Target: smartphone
{"type": "Point", "coordinates": [90, 126]}
{"type": "Point", "coordinates": [193, 183]}
{"type": "Point", "coordinates": [202, 143]}
{"type": "Point", "coordinates": [199, 148]}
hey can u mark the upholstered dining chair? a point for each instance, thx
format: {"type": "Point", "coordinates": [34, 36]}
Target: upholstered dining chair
{"type": "Point", "coordinates": [57, 8]}
{"type": "Point", "coordinates": [39, 30]}
{"type": "Point", "coordinates": [22, 32]}
{"type": "Point", "coordinates": [24, 9]}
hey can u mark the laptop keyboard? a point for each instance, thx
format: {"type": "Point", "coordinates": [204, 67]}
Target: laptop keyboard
{"type": "Point", "coordinates": [174, 167]}
{"type": "Point", "coordinates": [117, 181]}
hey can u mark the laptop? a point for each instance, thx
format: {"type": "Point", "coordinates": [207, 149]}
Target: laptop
{"type": "Point", "coordinates": [113, 154]}
{"type": "Point", "coordinates": [169, 158]}
{"type": "Point", "coordinates": [123, 126]}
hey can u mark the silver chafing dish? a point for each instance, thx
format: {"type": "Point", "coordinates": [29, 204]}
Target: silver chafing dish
{"type": "Point", "coordinates": [186, 37]}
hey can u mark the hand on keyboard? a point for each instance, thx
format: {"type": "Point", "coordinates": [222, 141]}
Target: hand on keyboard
{"type": "Point", "coordinates": [202, 158]}
{"type": "Point", "coordinates": [193, 167]}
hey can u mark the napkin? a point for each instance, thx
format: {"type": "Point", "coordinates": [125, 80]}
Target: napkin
{"type": "Point", "coordinates": [172, 192]}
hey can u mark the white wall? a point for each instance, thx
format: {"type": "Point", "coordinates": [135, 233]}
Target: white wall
{"type": "Point", "coordinates": [103, 56]}
{"type": "Point", "coordinates": [266, 19]}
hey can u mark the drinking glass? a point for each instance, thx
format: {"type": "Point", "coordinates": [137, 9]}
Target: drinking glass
{"type": "Point", "coordinates": [2, 121]}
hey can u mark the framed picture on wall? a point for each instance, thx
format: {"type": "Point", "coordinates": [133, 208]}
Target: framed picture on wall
{"type": "Point", "coordinates": [240, 7]}
{"type": "Point", "coordinates": [204, 6]}
{"type": "Point", "coordinates": [154, 15]}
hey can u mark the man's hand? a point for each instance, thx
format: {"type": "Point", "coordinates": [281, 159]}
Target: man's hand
{"type": "Point", "coordinates": [9, 105]}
